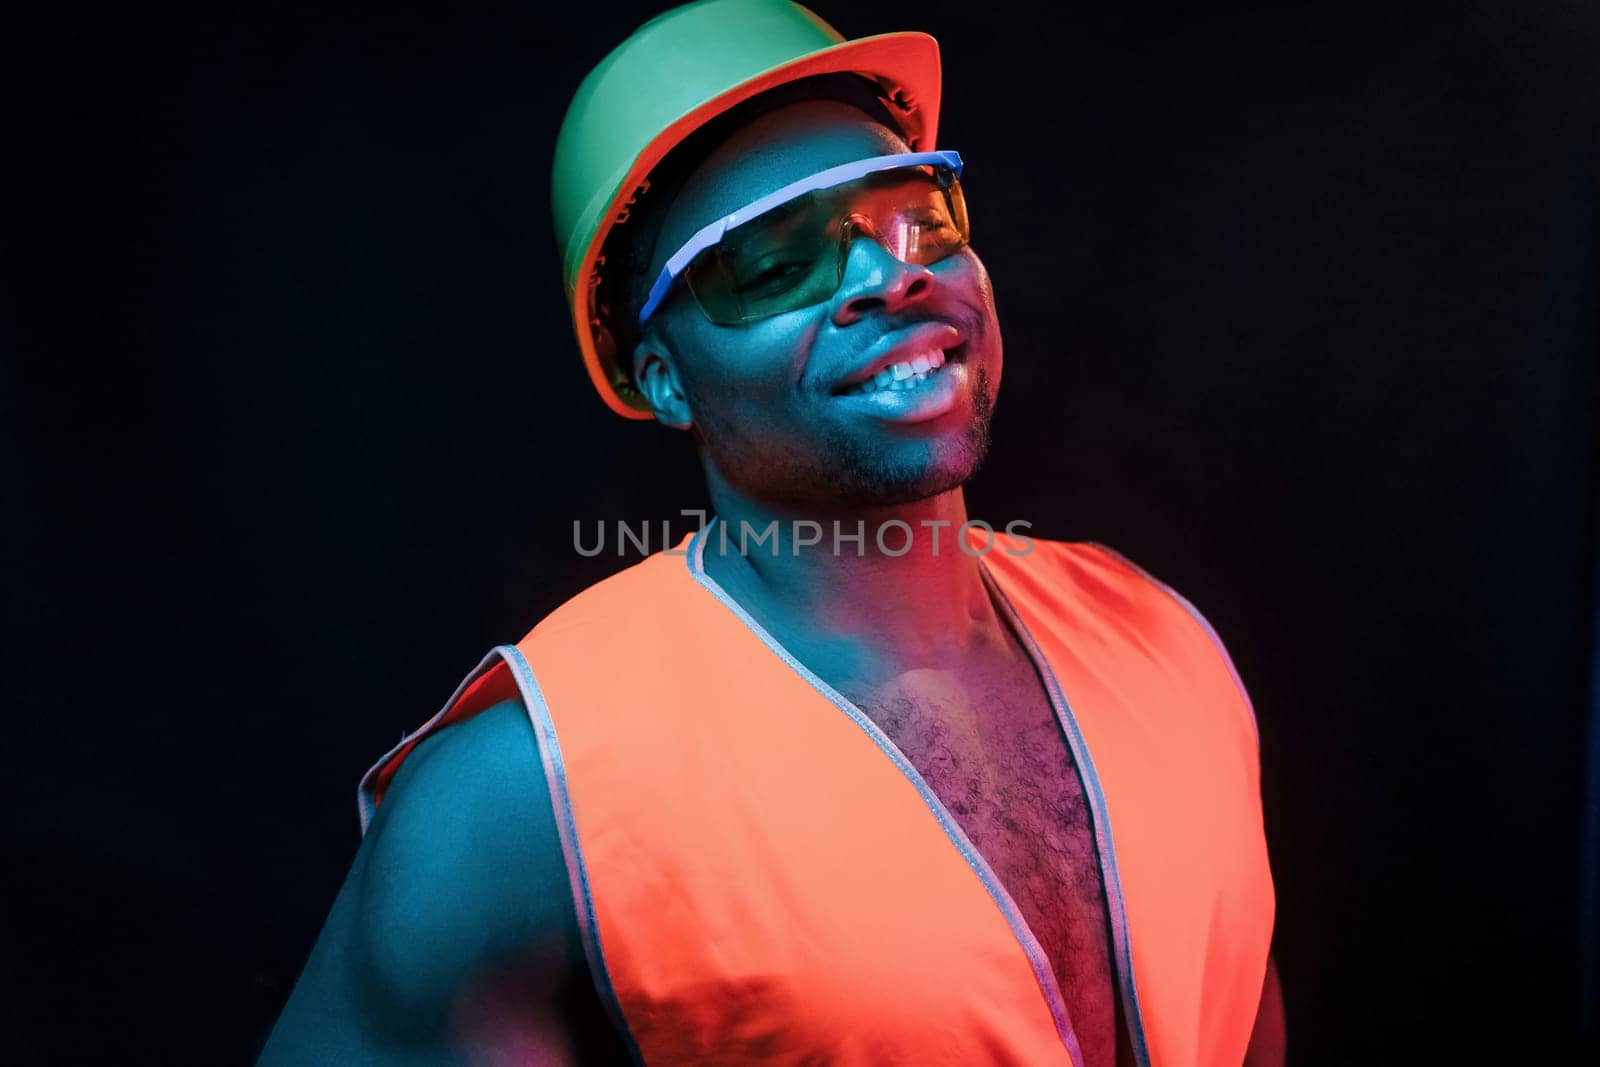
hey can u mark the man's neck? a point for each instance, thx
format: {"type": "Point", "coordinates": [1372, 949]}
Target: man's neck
{"type": "Point", "coordinates": [904, 595]}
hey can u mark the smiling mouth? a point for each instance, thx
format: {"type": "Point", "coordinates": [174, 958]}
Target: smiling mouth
{"type": "Point", "coordinates": [907, 374]}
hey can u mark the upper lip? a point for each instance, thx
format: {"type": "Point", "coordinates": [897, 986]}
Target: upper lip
{"type": "Point", "coordinates": [899, 346]}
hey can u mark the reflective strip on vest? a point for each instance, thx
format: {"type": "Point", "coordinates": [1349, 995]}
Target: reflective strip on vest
{"type": "Point", "coordinates": [761, 877]}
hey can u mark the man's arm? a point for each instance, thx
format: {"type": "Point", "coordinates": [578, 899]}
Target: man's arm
{"type": "Point", "coordinates": [453, 934]}
{"type": "Point", "coordinates": [1268, 1041]}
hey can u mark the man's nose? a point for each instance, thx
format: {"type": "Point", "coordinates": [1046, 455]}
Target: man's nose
{"type": "Point", "coordinates": [875, 280]}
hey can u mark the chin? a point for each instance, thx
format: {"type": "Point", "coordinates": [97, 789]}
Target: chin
{"type": "Point", "coordinates": [886, 482]}
{"type": "Point", "coordinates": [917, 469]}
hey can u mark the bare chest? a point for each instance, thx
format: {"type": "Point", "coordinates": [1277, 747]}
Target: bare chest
{"type": "Point", "coordinates": [994, 754]}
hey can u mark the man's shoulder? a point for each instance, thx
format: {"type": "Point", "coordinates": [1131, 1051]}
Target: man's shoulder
{"type": "Point", "coordinates": [643, 594]}
{"type": "Point", "coordinates": [1061, 559]}
{"type": "Point", "coordinates": [480, 771]}
{"type": "Point", "coordinates": [1091, 576]}
{"type": "Point", "coordinates": [1137, 581]}
{"type": "Point", "coordinates": [1147, 605]}
{"type": "Point", "coordinates": [462, 861]}
{"type": "Point", "coordinates": [497, 744]}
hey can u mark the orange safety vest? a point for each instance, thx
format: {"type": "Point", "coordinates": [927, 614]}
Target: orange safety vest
{"type": "Point", "coordinates": [760, 876]}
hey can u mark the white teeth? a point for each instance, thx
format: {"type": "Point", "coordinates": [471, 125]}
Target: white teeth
{"type": "Point", "coordinates": [907, 374]}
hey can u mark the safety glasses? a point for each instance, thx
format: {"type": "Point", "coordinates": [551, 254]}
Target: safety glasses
{"type": "Point", "coordinates": [788, 250]}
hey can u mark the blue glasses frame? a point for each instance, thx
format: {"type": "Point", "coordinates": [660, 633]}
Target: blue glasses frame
{"type": "Point", "coordinates": [708, 235]}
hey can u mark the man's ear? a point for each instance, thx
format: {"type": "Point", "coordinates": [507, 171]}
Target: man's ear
{"type": "Point", "coordinates": [655, 371]}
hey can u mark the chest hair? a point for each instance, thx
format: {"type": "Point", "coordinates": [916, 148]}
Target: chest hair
{"type": "Point", "coordinates": [994, 754]}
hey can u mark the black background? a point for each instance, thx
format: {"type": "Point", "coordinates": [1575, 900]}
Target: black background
{"type": "Point", "coordinates": [1300, 312]}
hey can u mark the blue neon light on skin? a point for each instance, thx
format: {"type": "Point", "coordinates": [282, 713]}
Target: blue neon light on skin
{"type": "Point", "coordinates": [763, 398]}
{"type": "Point", "coordinates": [708, 235]}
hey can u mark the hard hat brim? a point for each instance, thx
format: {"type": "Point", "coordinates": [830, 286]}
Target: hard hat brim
{"type": "Point", "coordinates": [905, 64]}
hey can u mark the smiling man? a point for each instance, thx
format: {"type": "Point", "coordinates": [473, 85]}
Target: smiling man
{"type": "Point", "coordinates": [843, 778]}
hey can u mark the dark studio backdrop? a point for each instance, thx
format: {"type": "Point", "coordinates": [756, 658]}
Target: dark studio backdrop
{"type": "Point", "coordinates": [1300, 313]}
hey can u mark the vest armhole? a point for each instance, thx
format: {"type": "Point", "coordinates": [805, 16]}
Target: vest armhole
{"type": "Point", "coordinates": [1205, 624]}
{"type": "Point", "coordinates": [504, 674]}
{"type": "Point", "coordinates": [555, 776]}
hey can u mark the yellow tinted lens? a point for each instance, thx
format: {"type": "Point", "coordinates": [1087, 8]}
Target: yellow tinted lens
{"type": "Point", "coordinates": [913, 217]}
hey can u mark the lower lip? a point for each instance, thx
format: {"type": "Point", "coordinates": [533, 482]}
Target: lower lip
{"type": "Point", "coordinates": [929, 399]}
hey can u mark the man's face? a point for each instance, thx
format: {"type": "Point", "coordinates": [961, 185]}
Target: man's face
{"type": "Point", "coordinates": [771, 399]}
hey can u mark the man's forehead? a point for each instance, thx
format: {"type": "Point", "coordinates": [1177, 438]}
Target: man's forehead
{"type": "Point", "coordinates": [774, 150]}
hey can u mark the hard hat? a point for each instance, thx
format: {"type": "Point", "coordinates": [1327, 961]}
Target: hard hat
{"type": "Point", "coordinates": [673, 75]}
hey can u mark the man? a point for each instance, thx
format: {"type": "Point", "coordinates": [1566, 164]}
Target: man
{"type": "Point", "coordinates": [876, 788]}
